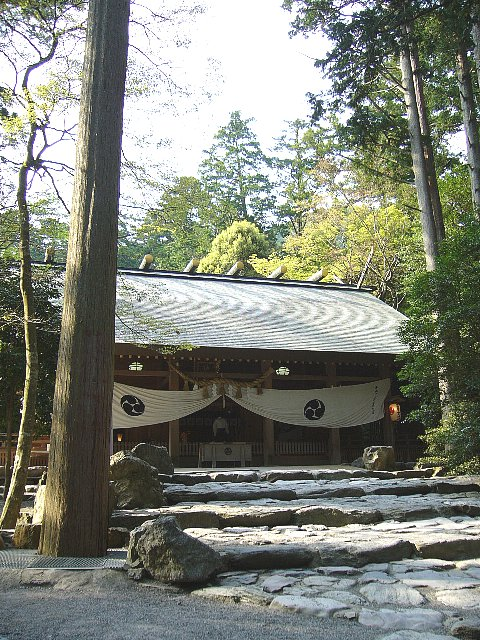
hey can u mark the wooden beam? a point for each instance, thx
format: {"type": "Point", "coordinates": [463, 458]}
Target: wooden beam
{"type": "Point", "coordinates": [334, 448]}
{"type": "Point", "coordinates": [385, 371]}
{"type": "Point", "coordinates": [235, 268]}
{"type": "Point", "coordinates": [278, 273]}
{"type": "Point", "coordinates": [192, 266]}
{"type": "Point", "coordinates": [315, 277]}
{"type": "Point", "coordinates": [268, 426]}
{"type": "Point", "coordinates": [174, 425]}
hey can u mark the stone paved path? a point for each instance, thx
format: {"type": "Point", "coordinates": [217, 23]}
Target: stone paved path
{"type": "Point", "coordinates": [396, 554]}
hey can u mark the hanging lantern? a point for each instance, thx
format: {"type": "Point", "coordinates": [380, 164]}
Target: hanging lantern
{"type": "Point", "coordinates": [394, 412]}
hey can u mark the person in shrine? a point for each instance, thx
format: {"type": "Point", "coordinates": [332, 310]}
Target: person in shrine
{"type": "Point", "coordinates": [221, 430]}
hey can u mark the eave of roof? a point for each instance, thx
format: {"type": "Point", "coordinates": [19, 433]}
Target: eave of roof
{"type": "Point", "coordinates": [219, 311]}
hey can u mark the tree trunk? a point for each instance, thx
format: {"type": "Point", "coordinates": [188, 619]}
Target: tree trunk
{"type": "Point", "coordinates": [476, 37]}
{"type": "Point", "coordinates": [76, 502]}
{"type": "Point", "coordinates": [427, 143]}
{"type": "Point", "coordinates": [427, 218]}
{"type": "Point", "coordinates": [13, 502]}
{"type": "Point", "coordinates": [470, 122]}
{"type": "Point", "coordinates": [8, 439]}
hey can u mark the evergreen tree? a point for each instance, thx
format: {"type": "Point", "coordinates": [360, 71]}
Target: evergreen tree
{"type": "Point", "coordinates": [182, 225]}
{"type": "Point", "coordinates": [76, 500]}
{"type": "Point", "coordinates": [235, 174]}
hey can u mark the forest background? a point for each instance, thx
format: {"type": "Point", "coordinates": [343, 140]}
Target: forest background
{"type": "Point", "coordinates": [340, 191]}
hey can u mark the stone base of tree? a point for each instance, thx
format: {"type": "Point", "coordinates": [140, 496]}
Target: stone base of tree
{"type": "Point", "coordinates": [27, 536]}
{"type": "Point", "coordinates": [118, 537]}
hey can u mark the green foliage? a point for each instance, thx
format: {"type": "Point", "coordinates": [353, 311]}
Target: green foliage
{"type": "Point", "coordinates": [443, 336]}
{"type": "Point", "coordinates": [181, 227]}
{"type": "Point", "coordinates": [235, 175]}
{"type": "Point", "coordinates": [455, 443]}
{"type": "Point", "coordinates": [300, 149]}
{"type": "Point", "coordinates": [12, 346]}
{"type": "Point", "coordinates": [239, 242]}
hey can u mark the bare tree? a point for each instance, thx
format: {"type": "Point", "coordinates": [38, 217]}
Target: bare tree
{"type": "Point", "coordinates": [30, 164]}
{"type": "Point", "coordinates": [76, 507]}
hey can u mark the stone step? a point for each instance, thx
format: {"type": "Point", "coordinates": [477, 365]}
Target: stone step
{"type": "Point", "coordinates": [302, 488]}
{"type": "Point", "coordinates": [254, 475]}
{"type": "Point", "coordinates": [356, 546]}
{"type": "Point", "coordinates": [329, 513]}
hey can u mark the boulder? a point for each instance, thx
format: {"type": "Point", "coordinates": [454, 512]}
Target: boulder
{"type": "Point", "coordinates": [112, 498]}
{"type": "Point", "coordinates": [379, 458]}
{"type": "Point", "coordinates": [135, 482]}
{"type": "Point", "coordinates": [358, 462]}
{"type": "Point", "coordinates": [171, 555]}
{"type": "Point", "coordinates": [158, 457]}
{"type": "Point", "coordinates": [27, 536]}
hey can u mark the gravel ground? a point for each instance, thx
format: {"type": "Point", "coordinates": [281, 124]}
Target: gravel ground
{"type": "Point", "coordinates": [105, 605]}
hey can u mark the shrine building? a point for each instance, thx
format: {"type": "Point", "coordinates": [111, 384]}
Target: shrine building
{"type": "Point", "coordinates": [299, 372]}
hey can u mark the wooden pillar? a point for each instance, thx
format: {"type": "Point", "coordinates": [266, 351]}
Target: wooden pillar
{"type": "Point", "coordinates": [174, 425]}
{"type": "Point", "coordinates": [385, 371]}
{"type": "Point", "coordinates": [334, 450]}
{"type": "Point", "coordinates": [268, 427]}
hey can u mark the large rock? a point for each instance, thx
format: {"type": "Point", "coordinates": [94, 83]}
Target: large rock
{"type": "Point", "coordinates": [135, 482]}
{"type": "Point", "coordinates": [158, 457]}
{"type": "Point", "coordinates": [379, 458]}
{"type": "Point", "coordinates": [170, 555]}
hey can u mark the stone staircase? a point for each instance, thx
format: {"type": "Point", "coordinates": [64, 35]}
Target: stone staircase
{"type": "Point", "coordinates": [396, 552]}
{"type": "Point", "coordinates": [310, 518]}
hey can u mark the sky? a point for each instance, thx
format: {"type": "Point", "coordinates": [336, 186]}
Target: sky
{"type": "Point", "coordinates": [259, 71]}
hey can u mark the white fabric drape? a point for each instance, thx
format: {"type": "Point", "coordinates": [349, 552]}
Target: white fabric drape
{"type": "Point", "coordinates": [336, 407]}
{"type": "Point", "coordinates": [331, 408]}
{"type": "Point", "coordinates": [137, 407]}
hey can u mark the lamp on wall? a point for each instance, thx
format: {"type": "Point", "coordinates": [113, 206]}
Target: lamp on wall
{"type": "Point", "coordinates": [395, 412]}
{"type": "Point", "coordinates": [119, 436]}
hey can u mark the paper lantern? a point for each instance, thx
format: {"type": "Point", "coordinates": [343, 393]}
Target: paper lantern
{"type": "Point", "coordinates": [395, 412]}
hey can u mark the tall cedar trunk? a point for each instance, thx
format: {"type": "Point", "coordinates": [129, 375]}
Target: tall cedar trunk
{"type": "Point", "coordinates": [13, 502]}
{"type": "Point", "coordinates": [8, 439]}
{"type": "Point", "coordinates": [427, 219]}
{"type": "Point", "coordinates": [427, 143]}
{"type": "Point", "coordinates": [470, 122]}
{"type": "Point", "coordinates": [476, 37]}
{"type": "Point", "coordinates": [76, 502]}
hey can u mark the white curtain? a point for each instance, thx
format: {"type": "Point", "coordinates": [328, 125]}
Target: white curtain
{"type": "Point", "coordinates": [331, 408]}
{"type": "Point", "coordinates": [136, 407]}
